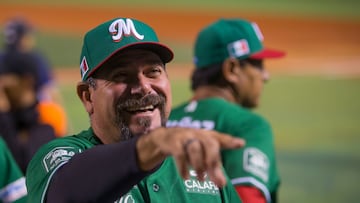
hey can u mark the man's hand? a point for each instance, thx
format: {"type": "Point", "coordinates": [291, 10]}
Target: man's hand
{"type": "Point", "coordinates": [197, 148]}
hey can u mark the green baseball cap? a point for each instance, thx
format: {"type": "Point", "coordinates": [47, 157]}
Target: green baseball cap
{"type": "Point", "coordinates": [104, 41]}
{"type": "Point", "coordinates": [226, 38]}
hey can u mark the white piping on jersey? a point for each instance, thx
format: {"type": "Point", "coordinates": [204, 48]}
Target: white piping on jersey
{"type": "Point", "coordinates": [13, 191]}
{"type": "Point", "coordinates": [254, 182]}
{"type": "Point", "coordinates": [48, 181]}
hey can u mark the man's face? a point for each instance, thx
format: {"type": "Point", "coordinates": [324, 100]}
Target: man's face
{"type": "Point", "coordinates": [132, 95]}
{"type": "Point", "coordinates": [251, 83]}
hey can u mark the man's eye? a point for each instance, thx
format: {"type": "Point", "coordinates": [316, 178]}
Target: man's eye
{"type": "Point", "coordinates": [154, 72]}
{"type": "Point", "coordinates": [121, 76]}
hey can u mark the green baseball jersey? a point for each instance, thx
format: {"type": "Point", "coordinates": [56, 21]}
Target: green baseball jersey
{"type": "Point", "coordinates": [253, 164]}
{"type": "Point", "coordinates": [12, 181]}
{"type": "Point", "coordinates": [164, 185]}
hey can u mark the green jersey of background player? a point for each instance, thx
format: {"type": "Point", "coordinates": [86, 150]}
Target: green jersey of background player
{"type": "Point", "coordinates": [127, 155]}
{"type": "Point", "coordinates": [227, 81]}
{"type": "Point", "coordinates": [12, 181]}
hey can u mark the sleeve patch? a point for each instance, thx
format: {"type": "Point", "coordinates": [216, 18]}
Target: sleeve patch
{"type": "Point", "coordinates": [257, 163]}
{"type": "Point", "coordinates": [57, 156]}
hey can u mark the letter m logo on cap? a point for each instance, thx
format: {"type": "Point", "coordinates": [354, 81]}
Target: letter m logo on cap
{"type": "Point", "coordinates": [120, 28]}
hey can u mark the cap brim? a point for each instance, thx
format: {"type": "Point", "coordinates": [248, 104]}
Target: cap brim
{"type": "Point", "coordinates": [164, 52]}
{"type": "Point", "coordinates": [268, 53]}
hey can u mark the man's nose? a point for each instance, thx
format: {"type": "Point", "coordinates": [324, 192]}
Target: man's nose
{"type": "Point", "coordinates": [141, 86]}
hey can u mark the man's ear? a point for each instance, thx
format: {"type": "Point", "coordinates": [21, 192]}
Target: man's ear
{"type": "Point", "coordinates": [231, 70]}
{"type": "Point", "coordinates": [83, 92]}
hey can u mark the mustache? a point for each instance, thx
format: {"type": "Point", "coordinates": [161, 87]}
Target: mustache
{"type": "Point", "coordinates": [138, 102]}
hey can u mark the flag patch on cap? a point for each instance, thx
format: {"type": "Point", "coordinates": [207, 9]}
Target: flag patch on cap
{"type": "Point", "coordinates": [238, 48]}
{"type": "Point", "coordinates": [84, 68]}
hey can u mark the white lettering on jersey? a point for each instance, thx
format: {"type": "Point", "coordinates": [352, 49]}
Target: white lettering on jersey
{"type": "Point", "coordinates": [195, 186]}
{"type": "Point", "coordinates": [120, 28]}
{"type": "Point", "coordinates": [188, 122]}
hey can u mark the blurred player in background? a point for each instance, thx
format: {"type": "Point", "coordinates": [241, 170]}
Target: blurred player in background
{"type": "Point", "coordinates": [227, 83]}
{"type": "Point", "coordinates": [25, 79]}
{"type": "Point", "coordinates": [19, 36]}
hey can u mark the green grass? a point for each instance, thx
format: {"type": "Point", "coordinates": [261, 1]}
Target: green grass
{"type": "Point", "coordinates": [318, 177]}
{"type": "Point", "coordinates": [316, 124]}
{"type": "Point", "coordinates": [316, 109]}
{"type": "Point", "coordinates": [62, 50]}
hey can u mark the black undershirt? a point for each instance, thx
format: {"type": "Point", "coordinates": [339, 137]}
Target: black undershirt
{"type": "Point", "coordinates": [101, 174]}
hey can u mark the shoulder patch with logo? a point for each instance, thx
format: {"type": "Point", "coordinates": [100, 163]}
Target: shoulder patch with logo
{"type": "Point", "coordinates": [257, 163]}
{"type": "Point", "coordinates": [57, 156]}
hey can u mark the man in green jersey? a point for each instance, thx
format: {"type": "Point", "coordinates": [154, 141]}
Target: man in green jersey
{"type": "Point", "coordinates": [127, 155]}
{"type": "Point", "coordinates": [227, 82]}
{"type": "Point", "coordinates": [12, 181]}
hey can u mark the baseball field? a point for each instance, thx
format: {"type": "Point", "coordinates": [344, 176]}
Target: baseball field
{"type": "Point", "coordinates": [312, 99]}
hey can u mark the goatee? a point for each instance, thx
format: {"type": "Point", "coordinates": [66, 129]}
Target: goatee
{"type": "Point", "coordinates": [157, 101]}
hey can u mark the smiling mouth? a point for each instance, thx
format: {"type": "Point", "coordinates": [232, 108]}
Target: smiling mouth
{"type": "Point", "coordinates": [140, 105]}
{"type": "Point", "coordinates": [141, 109]}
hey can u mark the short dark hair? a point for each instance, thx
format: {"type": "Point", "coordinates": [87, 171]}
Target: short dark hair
{"type": "Point", "coordinates": [213, 74]}
{"type": "Point", "coordinates": [209, 75]}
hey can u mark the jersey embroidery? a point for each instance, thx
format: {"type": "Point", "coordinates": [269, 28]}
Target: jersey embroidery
{"type": "Point", "coordinates": [128, 198]}
{"type": "Point", "coordinates": [257, 163]}
{"type": "Point", "coordinates": [57, 156]}
{"type": "Point", "coordinates": [193, 185]}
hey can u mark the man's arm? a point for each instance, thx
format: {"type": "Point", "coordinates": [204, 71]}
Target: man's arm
{"type": "Point", "coordinates": [100, 174]}
{"type": "Point", "coordinates": [107, 172]}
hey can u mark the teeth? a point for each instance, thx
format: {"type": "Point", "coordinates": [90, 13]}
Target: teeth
{"type": "Point", "coordinates": [144, 108]}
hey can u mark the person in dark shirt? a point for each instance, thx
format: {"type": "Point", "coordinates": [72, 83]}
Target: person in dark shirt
{"type": "Point", "coordinates": [20, 125]}
{"type": "Point", "coordinates": [19, 37]}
